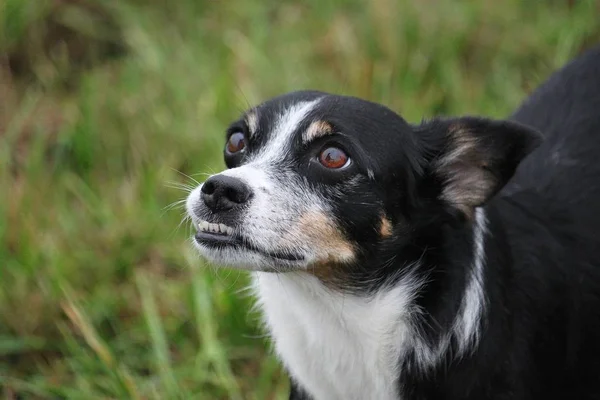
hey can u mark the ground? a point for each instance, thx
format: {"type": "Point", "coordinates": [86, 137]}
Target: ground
{"type": "Point", "coordinates": [110, 111]}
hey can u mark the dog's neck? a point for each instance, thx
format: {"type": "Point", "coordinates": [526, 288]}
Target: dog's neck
{"type": "Point", "coordinates": [359, 336]}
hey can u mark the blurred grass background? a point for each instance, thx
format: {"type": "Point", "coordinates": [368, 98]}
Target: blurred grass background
{"type": "Point", "coordinates": [110, 109]}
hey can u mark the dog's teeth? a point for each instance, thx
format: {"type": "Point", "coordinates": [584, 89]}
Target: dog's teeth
{"type": "Point", "coordinates": [206, 226]}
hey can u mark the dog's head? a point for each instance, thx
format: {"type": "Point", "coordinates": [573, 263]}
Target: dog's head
{"type": "Point", "coordinates": [325, 183]}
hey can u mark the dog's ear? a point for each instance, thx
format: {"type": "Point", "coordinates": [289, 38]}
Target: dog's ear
{"type": "Point", "coordinates": [474, 158]}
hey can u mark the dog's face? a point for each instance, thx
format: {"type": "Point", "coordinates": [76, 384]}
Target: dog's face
{"type": "Point", "coordinates": [324, 183]}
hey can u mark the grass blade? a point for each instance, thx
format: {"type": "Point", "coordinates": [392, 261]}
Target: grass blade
{"type": "Point", "coordinates": [100, 348]}
{"type": "Point", "coordinates": [160, 346]}
{"type": "Point", "coordinates": [212, 348]}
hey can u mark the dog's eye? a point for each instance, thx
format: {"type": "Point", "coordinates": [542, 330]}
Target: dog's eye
{"type": "Point", "coordinates": [236, 143]}
{"type": "Point", "coordinates": [333, 158]}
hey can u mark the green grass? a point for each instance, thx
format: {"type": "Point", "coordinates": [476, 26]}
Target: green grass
{"type": "Point", "coordinates": [101, 295]}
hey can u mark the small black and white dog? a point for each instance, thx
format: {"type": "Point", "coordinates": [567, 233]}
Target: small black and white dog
{"type": "Point", "coordinates": [454, 259]}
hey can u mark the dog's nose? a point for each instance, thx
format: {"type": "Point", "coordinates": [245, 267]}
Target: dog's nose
{"type": "Point", "coordinates": [222, 193]}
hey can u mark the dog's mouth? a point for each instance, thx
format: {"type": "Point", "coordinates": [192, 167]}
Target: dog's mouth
{"type": "Point", "coordinates": [221, 236]}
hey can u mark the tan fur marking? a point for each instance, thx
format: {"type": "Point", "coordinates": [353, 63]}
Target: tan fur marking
{"type": "Point", "coordinates": [467, 187]}
{"type": "Point", "coordinates": [468, 183]}
{"type": "Point", "coordinates": [386, 227]}
{"type": "Point", "coordinates": [327, 271]}
{"type": "Point", "coordinates": [323, 236]}
{"type": "Point", "coordinates": [252, 122]}
{"type": "Point", "coordinates": [463, 143]}
{"type": "Point", "coordinates": [317, 129]}
{"type": "Point", "coordinates": [326, 237]}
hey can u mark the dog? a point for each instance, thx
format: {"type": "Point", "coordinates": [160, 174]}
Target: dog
{"type": "Point", "coordinates": [457, 258]}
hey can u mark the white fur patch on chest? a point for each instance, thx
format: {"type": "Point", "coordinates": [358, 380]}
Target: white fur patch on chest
{"type": "Point", "coordinates": [337, 346]}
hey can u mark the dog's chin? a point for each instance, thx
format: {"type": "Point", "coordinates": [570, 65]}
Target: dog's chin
{"type": "Point", "coordinates": [232, 252]}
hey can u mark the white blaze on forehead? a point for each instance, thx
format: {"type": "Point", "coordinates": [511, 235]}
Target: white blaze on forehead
{"type": "Point", "coordinates": [281, 135]}
{"type": "Point", "coordinates": [251, 174]}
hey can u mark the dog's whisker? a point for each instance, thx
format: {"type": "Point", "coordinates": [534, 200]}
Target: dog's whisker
{"type": "Point", "coordinates": [186, 176]}
{"type": "Point", "coordinates": [180, 186]}
{"type": "Point", "coordinates": [177, 203]}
